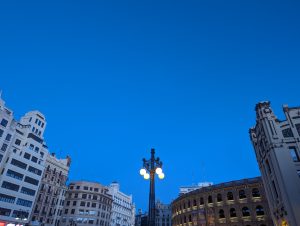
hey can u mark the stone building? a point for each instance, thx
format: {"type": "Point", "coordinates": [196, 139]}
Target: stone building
{"type": "Point", "coordinates": [277, 148]}
{"type": "Point", "coordinates": [87, 203]}
{"type": "Point", "coordinates": [233, 203]}
{"type": "Point", "coordinates": [141, 219]}
{"type": "Point", "coordinates": [23, 153]}
{"type": "Point", "coordinates": [50, 200]}
{"type": "Point", "coordinates": [123, 209]}
{"type": "Point", "coordinates": [163, 214]}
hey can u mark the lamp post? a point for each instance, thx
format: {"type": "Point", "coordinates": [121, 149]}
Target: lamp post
{"type": "Point", "coordinates": [150, 167]}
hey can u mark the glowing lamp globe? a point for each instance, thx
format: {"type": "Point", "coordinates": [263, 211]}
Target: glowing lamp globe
{"type": "Point", "coordinates": [146, 176]}
{"type": "Point", "coordinates": [143, 172]}
{"type": "Point", "coordinates": [158, 170]}
{"type": "Point", "coordinates": [161, 176]}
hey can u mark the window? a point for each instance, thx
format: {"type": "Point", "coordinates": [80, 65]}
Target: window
{"type": "Point", "coordinates": [232, 212]}
{"type": "Point", "coordinates": [4, 212]}
{"type": "Point", "coordinates": [294, 154]}
{"type": "Point", "coordinates": [7, 198]}
{"type": "Point", "coordinates": [34, 170]}
{"type": "Point", "coordinates": [24, 202]}
{"type": "Point", "coordinates": [68, 203]}
{"type": "Point", "coordinates": [242, 194]}
{"type": "Point", "coordinates": [8, 137]}
{"type": "Point", "coordinates": [1, 132]}
{"type": "Point", "coordinates": [210, 199]}
{"type": "Point", "coordinates": [31, 146]}
{"type": "Point", "coordinates": [245, 211]}
{"type": "Point", "coordinates": [18, 142]}
{"type": "Point", "coordinates": [14, 174]}
{"type": "Point", "coordinates": [85, 188]}
{"type": "Point", "coordinates": [27, 156]}
{"type": "Point", "coordinates": [4, 122]}
{"type": "Point", "coordinates": [298, 171]}
{"type": "Point", "coordinates": [76, 195]}
{"type": "Point", "coordinates": [27, 191]}
{"type": "Point", "coordinates": [255, 192]}
{"type": "Point", "coordinates": [82, 203]}
{"type": "Point", "coordinates": [74, 203]}
{"type": "Point", "coordinates": [31, 180]}
{"type": "Point", "coordinates": [34, 159]}
{"type": "Point", "coordinates": [84, 196]}
{"type": "Point", "coordinates": [66, 211]}
{"type": "Point", "coordinates": [287, 132]}
{"type": "Point", "coordinates": [10, 186]}
{"type": "Point", "coordinates": [221, 214]}
{"type": "Point", "coordinates": [260, 211]}
{"type": "Point", "coordinates": [93, 204]}
{"type": "Point", "coordinates": [4, 147]}
{"type": "Point", "coordinates": [230, 196]}
{"type": "Point", "coordinates": [194, 202]}
{"type": "Point", "coordinates": [1, 156]}
{"type": "Point", "coordinates": [72, 211]}
{"type": "Point", "coordinates": [268, 166]}
{"type": "Point", "coordinates": [219, 198]}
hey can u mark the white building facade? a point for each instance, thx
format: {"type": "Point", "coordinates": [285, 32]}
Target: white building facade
{"type": "Point", "coordinates": [22, 161]}
{"type": "Point", "coordinates": [123, 209]}
{"type": "Point", "coordinates": [277, 148]}
{"type": "Point", "coordinates": [163, 214]}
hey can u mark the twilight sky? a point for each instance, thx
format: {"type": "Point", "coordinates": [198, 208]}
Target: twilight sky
{"type": "Point", "coordinates": [115, 78]}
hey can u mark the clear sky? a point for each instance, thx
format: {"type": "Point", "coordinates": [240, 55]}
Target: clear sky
{"type": "Point", "coordinates": [115, 78]}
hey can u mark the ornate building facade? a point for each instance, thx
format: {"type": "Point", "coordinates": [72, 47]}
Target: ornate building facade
{"type": "Point", "coordinates": [123, 209]}
{"type": "Point", "coordinates": [233, 203]}
{"type": "Point", "coordinates": [87, 203]}
{"type": "Point", "coordinates": [277, 148]}
{"type": "Point", "coordinates": [50, 200]}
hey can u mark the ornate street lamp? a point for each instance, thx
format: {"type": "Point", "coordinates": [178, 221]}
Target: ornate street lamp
{"type": "Point", "coordinates": [150, 167]}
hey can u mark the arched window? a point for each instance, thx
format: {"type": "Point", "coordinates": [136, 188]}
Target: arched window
{"type": "Point", "coordinates": [260, 211]}
{"type": "Point", "coordinates": [219, 198]}
{"type": "Point", "coordinates": [184, 206]}
{"type": "Point", "coordinates": [221, 214]}
{"type": "Point", "coordinates": [210, 199]}
{"type": "Point", "coordinates": [194, 202]}
{"type": "Point", "coordinates": [232, 212]}
{"type": "Point", "coordinates": [245, 212]}
{"type": "Point", "coordinates": [201, 201]}
{"type": "Point", "coordinates": [242, 194]}
{"type": "Point", "coordinates": [189, 204]}
{"type": "Point", "coordinates": [184, 219]}
{"type": "Point", "coordinates": [190, 218]}
{"type": "Point", "coordinates": [255, 192]}
{"type": "Point", "coordinates": [230, 196]}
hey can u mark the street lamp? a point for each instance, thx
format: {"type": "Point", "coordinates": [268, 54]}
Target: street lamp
{"type": "Point", "coordinates": [150, 167]}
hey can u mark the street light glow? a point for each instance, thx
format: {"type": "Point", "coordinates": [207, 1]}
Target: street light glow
{"type": "Point", "coordinates": [143, 172]}
{"type": "Point", "coordinates": [161, 176]}
{"type": "Point", "coordinates": [158, 170]}
{"type": "Point", "coordinates": [146, 176]}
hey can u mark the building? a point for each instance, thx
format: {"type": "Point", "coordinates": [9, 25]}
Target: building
{"type": "Point", "coordinates": [187, 189]}
{"type": "Point", "coordinates": [277, 148]}
{"type": "Point", "coordinates": [51, 195]}
{"type": "Point", "coordinates": [163, 215]}
{"type": "Point", "coordinates": [23, 154]}
{"type": "Point", "coordinates": [87, 203]}
{"type": "Point", "coordinates": [123, 209]}
{"type": "Point", "coordinates": [141, 219]}
{"type": "Point", "coordinates": [234, 203]}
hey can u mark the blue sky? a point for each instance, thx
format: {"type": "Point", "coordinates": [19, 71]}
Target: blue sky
{"type": "Point", "coordinates": [115, 78]}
